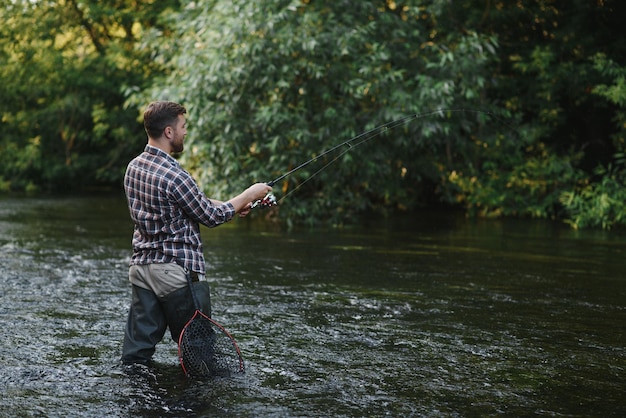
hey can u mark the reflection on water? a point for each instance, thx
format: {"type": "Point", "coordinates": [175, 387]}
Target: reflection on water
{"type": "Point", "coordinates": [427, 315]}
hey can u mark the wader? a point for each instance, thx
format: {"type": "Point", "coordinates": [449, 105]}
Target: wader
{"type": "Point", "coordinates": [149, 317]}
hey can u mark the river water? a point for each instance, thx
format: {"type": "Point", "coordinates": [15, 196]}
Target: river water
{"type": "Point", "coordinates": [422, 315]}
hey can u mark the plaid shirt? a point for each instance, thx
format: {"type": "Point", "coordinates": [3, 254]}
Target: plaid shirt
{"type": "Point", "coordinates": [167, 208]}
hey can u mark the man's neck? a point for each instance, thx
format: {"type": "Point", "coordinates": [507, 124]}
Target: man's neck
{"type": "Point", "coordinates": [160, 144]}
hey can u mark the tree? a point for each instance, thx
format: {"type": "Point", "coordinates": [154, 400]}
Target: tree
{"type": "Point", "coordinates": [549, 78]}
{"type": "Point", "coordinates": [602, 202]}
{"type": "Point", "coordinates": [66, 65]}
{"type": "Point", "coordinates": [520, 104]}
{"type": "Point", "coordinates": [270, 84]}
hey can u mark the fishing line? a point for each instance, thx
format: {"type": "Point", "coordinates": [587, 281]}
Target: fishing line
{"type": "Point", "coordinates": [270, 199]}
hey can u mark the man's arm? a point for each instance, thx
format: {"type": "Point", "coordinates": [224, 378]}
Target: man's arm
{"type": "Point", "coordinates": [242, 202]}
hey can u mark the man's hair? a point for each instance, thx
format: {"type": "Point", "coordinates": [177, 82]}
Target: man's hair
{"type": "Point", "coordinates": [159, 115]}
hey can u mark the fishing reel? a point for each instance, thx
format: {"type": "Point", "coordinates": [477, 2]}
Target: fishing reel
{"type": "Point", "coordinates": [268, 201]}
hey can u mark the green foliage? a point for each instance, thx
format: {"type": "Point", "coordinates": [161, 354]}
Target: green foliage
{"type": "Point", "coordinates": [4, 185]}
{"type": "Point", "coordinates": [64, 66]}
{"type": "Point", "coordinates": [556, 59]}
{"type": "Point", "coordinates": [601, 201]}
{"type": "Point", "coordinates": [599, 204]}
{"type": "Point", "coordinates": [531, 95]}
{"type": "Point", "coordinates": [615, 93]}
{"type": "Point", "coordinates": [521, 184]}
{"type": "Point", "coordinates": [271, 84]}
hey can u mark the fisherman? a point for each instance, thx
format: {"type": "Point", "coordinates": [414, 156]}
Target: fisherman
{"type": "Point", "coordinates": [167, 208]}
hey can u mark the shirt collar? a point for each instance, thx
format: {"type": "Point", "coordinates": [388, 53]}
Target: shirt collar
{"type": "Point", "coordinates": [159, 152]}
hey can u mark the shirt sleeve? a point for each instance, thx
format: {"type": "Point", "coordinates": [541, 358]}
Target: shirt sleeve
{"type": "Point", "coordinates": [197, 205]}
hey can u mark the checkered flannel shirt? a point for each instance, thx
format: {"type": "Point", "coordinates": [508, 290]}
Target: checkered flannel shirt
{"type": "Point", "coordinates": [167, 208]}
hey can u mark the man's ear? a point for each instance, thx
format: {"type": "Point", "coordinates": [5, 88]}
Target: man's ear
{"type": "Point", "coordinates": [168, 132]}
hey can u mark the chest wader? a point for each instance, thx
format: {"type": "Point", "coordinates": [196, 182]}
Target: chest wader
{"type": "Point", "coordinates": [150, 316]}
{"type": "Point", "coordinates": [178, 306]}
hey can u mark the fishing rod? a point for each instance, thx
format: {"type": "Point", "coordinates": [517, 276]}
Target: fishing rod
{"type": "Point", "coordinates": [270, 199]}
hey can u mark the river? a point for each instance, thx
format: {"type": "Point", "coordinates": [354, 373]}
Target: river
{"type": "Point", "coordinates": [421, 315]}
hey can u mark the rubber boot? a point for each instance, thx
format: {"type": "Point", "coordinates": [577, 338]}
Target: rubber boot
{"type": "Point", "coordinates": [145, 327]}
{"type": "Point", "coordinates": [179, 307]}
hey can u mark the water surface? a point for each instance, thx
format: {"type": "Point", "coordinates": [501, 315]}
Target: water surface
{"type": "Point", "coordinates": [422, 315]}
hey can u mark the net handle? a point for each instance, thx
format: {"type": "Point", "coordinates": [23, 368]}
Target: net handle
{"type": "Point", "coordinates": [196, 304]}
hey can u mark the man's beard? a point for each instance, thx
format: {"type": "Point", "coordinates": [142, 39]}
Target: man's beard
{"type": "Point", "coordinates": [178, 146]}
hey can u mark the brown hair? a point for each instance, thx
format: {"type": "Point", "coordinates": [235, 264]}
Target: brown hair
{"type": "Point", "coordinates": [159, 115]}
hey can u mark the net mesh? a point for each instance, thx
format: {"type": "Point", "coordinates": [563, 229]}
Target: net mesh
{"type": "Point", "coordinates": [206, 350]}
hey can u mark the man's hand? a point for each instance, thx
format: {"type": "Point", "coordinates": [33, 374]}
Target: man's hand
{"type": "Point", "coordinates": [246, 210]}
{"type": "Point", "coordinates": [242, 202]}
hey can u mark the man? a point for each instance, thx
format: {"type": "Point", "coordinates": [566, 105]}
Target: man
{"type": "Point", "coordinates": [167, 208]}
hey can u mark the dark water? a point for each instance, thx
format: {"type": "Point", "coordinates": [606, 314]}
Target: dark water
{"type": "Point", "coordinates": [423, 316]}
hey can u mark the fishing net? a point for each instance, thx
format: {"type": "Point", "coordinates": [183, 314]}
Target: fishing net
{"type": "Point", "coordinates": [206, 349]}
